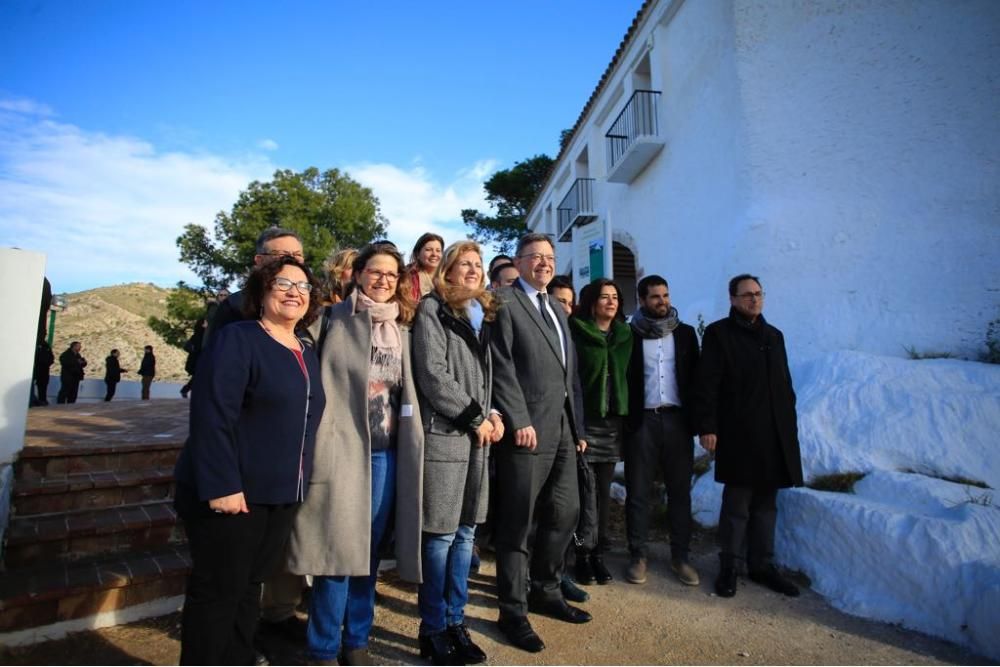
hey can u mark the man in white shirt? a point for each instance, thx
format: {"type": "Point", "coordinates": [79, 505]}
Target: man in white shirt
{"type": "Point", "coordinates": [660, 425]}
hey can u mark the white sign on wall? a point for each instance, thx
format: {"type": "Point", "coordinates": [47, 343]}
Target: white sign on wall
{"type": "Point", "coordinates": [591, 253]}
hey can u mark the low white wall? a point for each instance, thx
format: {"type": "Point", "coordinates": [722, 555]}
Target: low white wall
{"type": "Point", "coordinates": [127, 390]}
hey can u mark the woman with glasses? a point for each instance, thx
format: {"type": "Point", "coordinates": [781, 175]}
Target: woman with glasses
{"type": "Point", "coordinates": [424, 261]}
{"type": "Point", "coordinates": [454, 378]}
{"type": "Point", "coordinates": [369, 460]}
{"type": "Point", "coordinates": [604, 346]}
{"type": "Point", "coordinates": [247, 461]}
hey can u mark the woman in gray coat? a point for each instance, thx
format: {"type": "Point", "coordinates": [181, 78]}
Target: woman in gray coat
{"type": "Point", "coordinates": [368, 463]}
{"type": "Point", "coordinates": [454, 379]}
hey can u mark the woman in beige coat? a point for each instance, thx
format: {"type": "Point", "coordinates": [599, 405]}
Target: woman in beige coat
{"type": "Point", "coordinates": [368, 462]}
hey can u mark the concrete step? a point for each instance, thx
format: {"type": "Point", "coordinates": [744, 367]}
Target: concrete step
{"type": "Point", "coordinates": [69, 536]}
{"type": "Point", "coordinates": [91, 490]}
{"type": "Point", "coordinates": [35, 464]}
{"type": "Point", "coordinates": [54, 592]}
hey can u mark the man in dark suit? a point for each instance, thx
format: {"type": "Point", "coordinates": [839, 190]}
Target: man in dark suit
{"type": "Point", "coordinates": [661, 379]}
{"type": "Point", "coordinates": [745, 409]}
{"type": "Point", "coordinates": [71, 365]}
{"type": "Point", "coordinates": [112, 374]}
{"type": "Point", "coordinates": [537, 497]}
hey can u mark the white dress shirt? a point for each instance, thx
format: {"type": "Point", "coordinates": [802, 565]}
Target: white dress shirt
{"type": "Point", "coordinates": [659, 360]}
{"type": "Point", "coordinates": [533, 295]}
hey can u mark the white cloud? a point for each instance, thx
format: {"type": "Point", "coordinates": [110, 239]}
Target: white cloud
{"type": "Point", "coordinates": [107, 209]}
{"type": "Point", "coordinates": [414, 203]}
{"type": "Point", "coordinates": [267, 144]}
{"type": "Point", "coordinates": [25, 106]}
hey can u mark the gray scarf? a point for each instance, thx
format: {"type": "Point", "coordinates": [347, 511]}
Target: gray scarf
{"type": "Point", "coordinates": [647, 327]}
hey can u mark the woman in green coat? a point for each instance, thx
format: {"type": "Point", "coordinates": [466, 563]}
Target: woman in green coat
{"type": "Point", "coordinates": [604, 345]}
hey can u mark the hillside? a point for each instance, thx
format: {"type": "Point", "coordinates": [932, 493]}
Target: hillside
{"type": "Point", "coordinates": [115, 317]}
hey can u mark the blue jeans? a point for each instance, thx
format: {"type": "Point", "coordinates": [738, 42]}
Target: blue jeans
{"type": "Point", "coordinates": [442, 596]}
{"type": "Point", "coordinates": [346, 605]}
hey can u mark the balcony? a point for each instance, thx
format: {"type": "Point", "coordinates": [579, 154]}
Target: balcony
{"type": "Point", "coordinates": [576, 208]}
{"type": "Point", "coordinates": [634, 137]}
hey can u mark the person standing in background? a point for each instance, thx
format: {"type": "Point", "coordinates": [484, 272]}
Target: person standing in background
{"type": "Point", "coordinates": [43, 361]}
{"type": "Point", "coordinates": [71, 364]}
{"type": "Point", "coordinates": [112, 374]}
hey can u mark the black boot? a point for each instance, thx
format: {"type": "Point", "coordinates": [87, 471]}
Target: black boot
{"type": "Point", "coordinates": [584, 571]}
{"type": "Point", "coordinates": [466, 651]}
{"type": "Point", "coordinates": [601, 573]}
{"type": "Point", "coordinates": [439, 648]}
{"type": "Point", "coordinates": [725, 584]}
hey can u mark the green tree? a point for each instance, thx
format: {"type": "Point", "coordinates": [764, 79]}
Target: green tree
{"type": "Point", "coordinates": [185, 306]}
{"type": "Point", "coordinates": [327, 209]}
{"type": "Point", "coordinates": [510, 193]}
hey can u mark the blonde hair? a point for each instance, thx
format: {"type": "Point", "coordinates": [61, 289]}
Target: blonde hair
{"type": "Point", "coordinates": [457, 295]}
{"type": "Point", "coordinates": [333, 266]}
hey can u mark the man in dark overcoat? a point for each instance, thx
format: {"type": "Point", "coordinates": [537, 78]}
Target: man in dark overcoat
{"type": "Point", "coordinates": [147, 370]}
{"type": "Point", "coordinates": [745, 411]}
{"type": "Point", "coordinates": [71, 365]}
{"type": "Point", "coordinates": [112, 374]}
{"type": "Point", "coordinates": [537, 495]}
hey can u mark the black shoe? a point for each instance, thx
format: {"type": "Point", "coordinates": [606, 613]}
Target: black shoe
{"type": "Point", "coordinates": [725, 583]}
{"type": "Point", "coordinates": [291, 629]}
{"type": "Point", "coordinates": [601, 573]}
{"type": "Point", "coordinates": [439, 649]}
{"type": "Point", "coordinates": [770, 577]}
{"type": "Point", "coordinates": [465, 649]}
{"type": "Point", "coordinates": [355, 656]}
{"type": "Point", "coordinates": [518, 631]}
{"type": "Point", "coordinates": [583, 572]}
{"type": "Point", "coordinates": [559, 610]}
{"type": "Point", "coordinates": [259, 659]}
{"type": "Point", "coordinates": [572, 592]}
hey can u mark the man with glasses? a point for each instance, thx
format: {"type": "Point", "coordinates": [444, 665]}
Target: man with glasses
{"type": "Point", "coordinates": [536, 486]}
{"type": "Point", "coordinates": [745, 411]}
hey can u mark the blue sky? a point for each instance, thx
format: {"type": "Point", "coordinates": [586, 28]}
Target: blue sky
{"type": "Point", "coordinates": [122, 121]}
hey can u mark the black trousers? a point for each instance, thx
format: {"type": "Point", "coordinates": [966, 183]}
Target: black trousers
{"type": "Point", "coordinates": [231, 555]}
{"type": "Point", "coordinates": [42, 383]}
{"type": "Point", "coordinates": [147, 380]}
{"type": "Point", "coordinates": [538, 504]}
{"type": "Point", "coordinates": [746, 524]}
{"type": "Point", "coordinates": [664, 443]}
{"type": "Point", "coordinates": [68, 389]}
{"type": "Point", "coordinates": [111, 390]}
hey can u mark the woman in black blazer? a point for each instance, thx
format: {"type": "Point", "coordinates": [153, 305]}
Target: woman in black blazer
{"type": "Point", "coordinates": [247, 461]}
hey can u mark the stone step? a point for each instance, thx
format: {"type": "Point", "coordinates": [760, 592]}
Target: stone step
{"type": "Point", "coordinates": [91, 490]}
{"type": "Point", "coordinates": [36, 463]}
{"type": "Point", "coordinates": [62, 591]}
{"type": "Point", "coordinates": [69, 536]}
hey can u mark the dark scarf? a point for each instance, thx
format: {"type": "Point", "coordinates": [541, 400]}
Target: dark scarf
{"type": "Point", "coordinates": [648, 327]}
{"type": "Point", "coordinates": [603, 364]}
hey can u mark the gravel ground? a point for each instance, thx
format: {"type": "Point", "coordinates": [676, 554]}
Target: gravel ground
{"type": "Point", "coordinates": [661, 622]}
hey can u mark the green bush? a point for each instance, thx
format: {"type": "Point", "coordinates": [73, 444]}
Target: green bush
{"type": "Point", "coordinates": [841, 482]}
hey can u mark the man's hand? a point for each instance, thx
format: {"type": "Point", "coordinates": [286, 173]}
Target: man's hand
{"type": "Point", "coordinates": [526, 438]}
{"type": "Point", "coordinates": [707, 441]}
{"type": "Point", "coordinates": [498, 428]}
{"type": "Point", "coordinates": [233, 504]}
{"type": "Point", "coordinates": [581, 446]}
{"type": "Point", "coordinates": [484, 433]}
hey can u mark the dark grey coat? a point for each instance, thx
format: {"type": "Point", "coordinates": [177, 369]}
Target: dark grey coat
{"type": "Point", "coordinates": [454, 375]}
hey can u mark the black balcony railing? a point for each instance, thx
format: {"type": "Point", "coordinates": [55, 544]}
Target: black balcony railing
{"type": "Point", "coordinates": [640, 117]}
{"type": "Point", "coordinates": [579, 199]}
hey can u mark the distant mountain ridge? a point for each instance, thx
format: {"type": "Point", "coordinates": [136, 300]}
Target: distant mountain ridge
{"type": "Point", "coordinates": [104, 318]}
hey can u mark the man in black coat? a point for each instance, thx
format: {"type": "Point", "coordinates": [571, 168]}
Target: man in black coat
{"type": "Point", "coordinates": [71, 364]}
{"type": "Point", "coordinates": [537, 495]}
{"type": "Point", "coordinates": [43, 361]}
{"type": "Point", "coordinates": [147, 371]}
{"type": "Point", "coordinates": [746, 415]}
{"type": "Point", "coordinates": [660, 426]}
{"type": "Point", "coordinates": [112, 374]}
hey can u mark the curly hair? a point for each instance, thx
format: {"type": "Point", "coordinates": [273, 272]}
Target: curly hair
{"type": "Point", "coordinates": [403, 296]}
{"type": "Point", "coordinates": [456, 295]}
{"type": "Point", "coordinates": [589, 295]}
{"type": "Point", "coordinates": [261, 280]}
{"type": "Point", "coordinates": [333, 266]}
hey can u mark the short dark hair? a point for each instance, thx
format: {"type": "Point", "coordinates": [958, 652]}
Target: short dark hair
{"type": "Point", "coordinates": [735, 281]}
{"type": "Point", "coordinates": [148, 348]}
{"type": "Point", "coordinates": [561, 282]}
{"type": "Point", "coordinates": [114, 351]}
{"type": "Point", "coordinates": [652, 280]}
{"type": "Point", "coordinates": [421, 242]}
{"type": "Point", "coordinates": [534, 237]}
{"type": "Point", "coordinates": [262, 278]}
{"type": "Point", "coordinates": [495, 271]}
{"type": "Point", "coordinates": [500, 259]}
{"type": "Point", "coordinates": [272, 233]}
{"type": "Point", "coordinates": [589, 295]}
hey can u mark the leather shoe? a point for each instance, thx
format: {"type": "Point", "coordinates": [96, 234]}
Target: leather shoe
{"type": "Point", "coordinates": [601, 573]}
{"type": "Point", "coordinates": [770, 577]}
{"type": "Point", "coordinates": [439, 649]}
{"type": "Point", "coordinates": [559, 610]}
{"type": "Point", "coordinates": [572, 592]}
{"type": "Point", "coordinates": [465, 649]}
{"type": "Point", "coordinates": [725, 583]}
{"type": "Point", "coordinates": [518, 631]}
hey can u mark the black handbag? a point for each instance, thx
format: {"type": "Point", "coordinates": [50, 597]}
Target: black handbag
{"type": "Point", "coordinates": [585, 535]}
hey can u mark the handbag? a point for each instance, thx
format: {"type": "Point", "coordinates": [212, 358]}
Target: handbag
{"type": "Point", "coordinates": [585, 535]}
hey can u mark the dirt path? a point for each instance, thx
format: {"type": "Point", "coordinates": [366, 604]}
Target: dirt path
{"type": "Point", "coordinates": [661, 622]}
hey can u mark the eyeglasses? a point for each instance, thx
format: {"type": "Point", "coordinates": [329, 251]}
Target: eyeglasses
{"type": "Point", "coordinates": [284, 284]}
{"type": "Point", "coordinates": [537, 257]}
{"type": "Point", "coordinates": [751, 295]}
{"type": "Point", "coordinates": [284, 253]}
{"type": "Point", "coordinates": [377, 276]}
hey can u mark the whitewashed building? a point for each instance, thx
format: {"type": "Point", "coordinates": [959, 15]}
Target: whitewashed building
{"type": "Point", "coordinates": [846, 151]}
